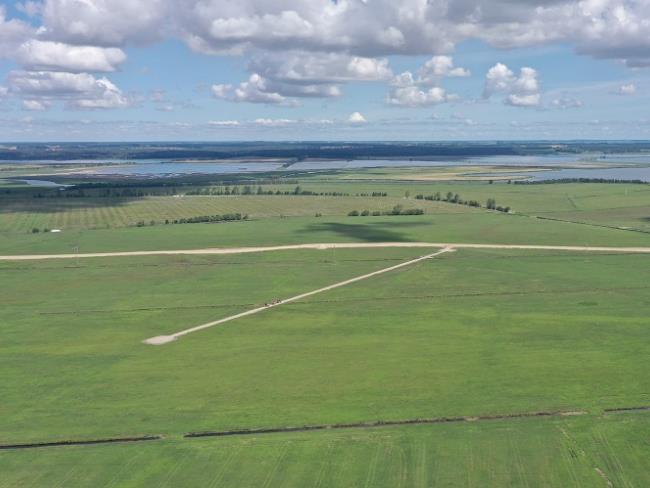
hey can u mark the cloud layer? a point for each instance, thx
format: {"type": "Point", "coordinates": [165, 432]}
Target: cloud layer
{"type": "Point", "coordinates": [312, 48]}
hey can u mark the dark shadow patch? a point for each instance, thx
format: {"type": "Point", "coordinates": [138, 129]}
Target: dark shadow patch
{"type": "Point", "coordinates": [61, 204]}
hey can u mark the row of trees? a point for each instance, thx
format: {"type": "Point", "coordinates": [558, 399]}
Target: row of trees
{"type": "Point", "coordinates": [251, 190]}
{"type": "Point", "coordinates": [492, 205]}
{"type": "Point", "coordinates": [450, 197]}
{"type": "Point", "coordinates": [581, 180]}
{"type": "Point", "coordinates": [229, 217]}
{"type": "Point", "coordinates": [397, 210]}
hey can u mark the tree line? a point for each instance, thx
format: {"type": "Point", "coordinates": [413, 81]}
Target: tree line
{"type": "Point", "coordinates": [582, 180]}
{"type": "Point", "coordinates": [452, 197]}
{"type": "Point", "coordinates": [229, 217]}
{"type": "Point", "coordinates": [251, 190]}
{"type": "Point", "coordinates": [397, 210]}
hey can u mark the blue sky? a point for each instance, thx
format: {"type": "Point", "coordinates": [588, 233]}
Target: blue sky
{"type": "Point", "coordinates": [103, 70]}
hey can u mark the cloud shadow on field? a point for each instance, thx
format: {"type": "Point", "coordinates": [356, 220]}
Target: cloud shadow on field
{"type": "Point", "coordinates": [368, 232]}
{"type": "Point", "coordinates": [49, 205]}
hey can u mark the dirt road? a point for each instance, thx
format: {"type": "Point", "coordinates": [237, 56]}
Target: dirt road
{"type": "Point", "coordinates": [347, 245]}
{"type": "Point", "coordinates": [164, 339]}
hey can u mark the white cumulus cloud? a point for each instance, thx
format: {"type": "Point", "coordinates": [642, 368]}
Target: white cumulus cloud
{"type": "Point", "coordinates": [356, 118]}
{"type": "Point", "coordinates": [56, 56]}
{"type": "Point", "coordinates": [520, 91]}
{"type": "Point", "coordinates": [255, 90]}
{"type": "Point", "coordinates": [439, 67]}
{"type": "Point", "coordinates": [77, 90]}
{"type": "Point", "coordinates": [258, 89]}
{"type": "Point", "coordinates": [414, 96]}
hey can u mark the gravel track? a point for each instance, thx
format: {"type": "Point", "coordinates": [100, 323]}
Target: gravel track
{"type": "Point", "coordinates": [347, 245]}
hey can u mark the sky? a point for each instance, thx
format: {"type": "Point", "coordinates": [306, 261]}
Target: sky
{"type": "Point", "coordinates": [223, 70]}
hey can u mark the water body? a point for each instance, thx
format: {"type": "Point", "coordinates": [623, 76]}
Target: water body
{"type": "Point", "coordinates": [177, 169]}
{"type": "Point", "coordinates": [634, 158]}
{"type": "Point", "coordinates": [42, 183]}
{"type": "Point", "coordinates": [639, 173]}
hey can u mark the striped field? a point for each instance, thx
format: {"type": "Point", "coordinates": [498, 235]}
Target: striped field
{"type": "Point", "coordinates": [92, 213]}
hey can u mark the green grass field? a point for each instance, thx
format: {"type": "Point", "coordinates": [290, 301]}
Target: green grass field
{"type": "Point", "coordinates": [470, 333]}
{"type": "Point", "coordinates": [467, 334]}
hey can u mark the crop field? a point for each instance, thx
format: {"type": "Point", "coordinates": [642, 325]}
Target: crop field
{"type": "Point", "coordinates": [21, 216]}
{"type": "Point", "coordinates": [614, 205]}
{"type": "Point", "coordinates": [479, 367]}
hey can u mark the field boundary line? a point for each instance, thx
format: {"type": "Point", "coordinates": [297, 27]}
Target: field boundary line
{"type": "Point", "coordinates": [88, 442]}
{"type": "Point", "coordinates": [322, 246]}
{"type": "Point", "coordinates": [307, 428]}
{"type": "Point", "coordinates": [641, 408]}
{"type": "Point", "coordinates": [383, 423]}
{"type": "Point", "coordinates": [164, 339]}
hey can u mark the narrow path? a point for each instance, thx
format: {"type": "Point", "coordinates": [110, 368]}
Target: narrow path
{"type": "Point", "coordinates": [164, 339]}
{"type": "Point", "coordinates": [342, 245]}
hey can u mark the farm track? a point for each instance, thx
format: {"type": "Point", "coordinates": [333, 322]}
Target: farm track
{"type": "Point", "coordinates": [322, 246]}
{"type": "Point", "coordinates": [317, 427]}
{"type": "Point", "coordinates": [164, 339]}
{"type": "Point", "coordinates": [283, 263]}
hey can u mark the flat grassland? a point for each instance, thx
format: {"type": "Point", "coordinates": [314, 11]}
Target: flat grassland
{"type": "Point", "coordinates": [473, 333]}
